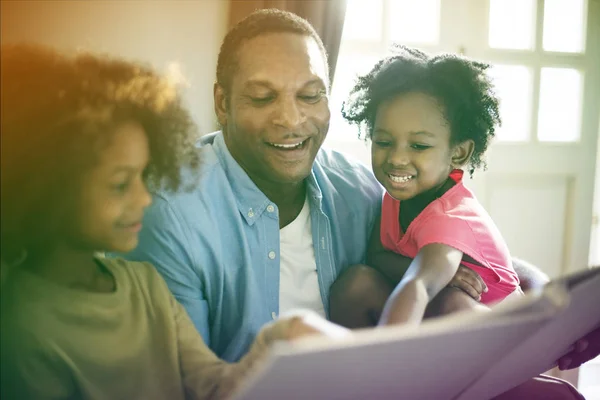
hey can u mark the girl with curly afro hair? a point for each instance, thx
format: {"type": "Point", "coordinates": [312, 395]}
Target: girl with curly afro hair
{"type": "Point", "coordinates": [428, 118]}
{"type": "Point", "coordinates": [84, 138]}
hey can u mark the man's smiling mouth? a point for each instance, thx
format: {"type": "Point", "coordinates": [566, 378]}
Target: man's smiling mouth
{"type": "Point", "coordinates": [289, 146]}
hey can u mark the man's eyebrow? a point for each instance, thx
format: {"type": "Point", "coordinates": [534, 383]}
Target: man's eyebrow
{"type": "Point", "coordinates": [268, 85]}
{"type": "Point", "coordinates": [257, 82]}
{"type": "Point", "coordinates": [316, 81]}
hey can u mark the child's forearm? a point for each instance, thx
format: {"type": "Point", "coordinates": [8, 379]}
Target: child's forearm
{"type": "Point", "coordinates": [407, 304]}
{"type": "Point", "coordinates": [392, 265]}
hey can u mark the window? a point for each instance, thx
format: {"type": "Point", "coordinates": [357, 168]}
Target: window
{"type": "Point", "coordinates": [537, 50]}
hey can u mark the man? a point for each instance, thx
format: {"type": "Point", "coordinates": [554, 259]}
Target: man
{"type": "Point", "coordinates": [274, 218]}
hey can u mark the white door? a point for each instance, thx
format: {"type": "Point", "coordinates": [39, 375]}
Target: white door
{"type": "Point", "coordinates": [539, 183]}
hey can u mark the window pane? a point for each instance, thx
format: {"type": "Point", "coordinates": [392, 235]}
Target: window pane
{"type": "Point", "coordinates": [513, 85]}
{"type": "Point", "coordinates": [564, 22]}
{"type": "Point", "coordinates": [415, 21]}
{"type": "Point", "coordinates": [363, 20]}
{"type": "Point", "coordinates": [512, 24]}
{"type": "Point", "coordinates": [349, 66]}
{"type": "Point", "coordinates": [560, 105]}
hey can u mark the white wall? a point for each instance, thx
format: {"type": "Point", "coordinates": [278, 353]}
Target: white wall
{"type": "Point", "coordinates": [158, 32]}
{"type": "Point", "coordinates": [595, 239]}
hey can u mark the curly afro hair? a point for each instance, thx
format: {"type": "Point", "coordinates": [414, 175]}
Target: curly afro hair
{"type": "Point", "coordinates": [57, 114]}
{"type": "Point", "coordinates": [460, 85]}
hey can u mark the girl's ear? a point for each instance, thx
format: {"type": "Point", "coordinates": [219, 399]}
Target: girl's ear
{"type": "Point", "coordinates": [461, 153]}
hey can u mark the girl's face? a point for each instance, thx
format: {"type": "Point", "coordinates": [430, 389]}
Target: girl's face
{"type": "Point", "coordinates": [114, 194]}
{"type": "Point", "coordinates": [411, 151]}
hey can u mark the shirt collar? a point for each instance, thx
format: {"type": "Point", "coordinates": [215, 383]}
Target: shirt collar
{"type": "Point", "coordinates": [250, 200]}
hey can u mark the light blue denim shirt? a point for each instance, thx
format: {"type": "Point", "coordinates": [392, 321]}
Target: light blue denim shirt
{"type": "Point", "coordinates": [218, 246]}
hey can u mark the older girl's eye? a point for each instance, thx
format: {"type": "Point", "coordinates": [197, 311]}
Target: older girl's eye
{"type": "Point", "coordinates": [120, 187]}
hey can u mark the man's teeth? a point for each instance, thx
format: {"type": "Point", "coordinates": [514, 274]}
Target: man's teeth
{"type": "Point", "coordinates": [288, 146]}
{"type": "Point", "coordinates": [400, 179]}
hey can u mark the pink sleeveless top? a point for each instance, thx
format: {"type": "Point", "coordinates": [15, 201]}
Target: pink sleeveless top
{"type": "Point", "coordinates": [457, 220]}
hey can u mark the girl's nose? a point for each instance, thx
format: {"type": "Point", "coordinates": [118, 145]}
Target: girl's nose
{"type": "Point", "coordinates": [399, 157]}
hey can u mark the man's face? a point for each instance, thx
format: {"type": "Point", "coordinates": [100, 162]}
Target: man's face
{"type": "Point", "coordinates": [276, 114]}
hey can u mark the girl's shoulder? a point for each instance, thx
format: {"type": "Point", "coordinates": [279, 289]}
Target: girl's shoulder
{"type": "Point", "coordinates": [137, 275]}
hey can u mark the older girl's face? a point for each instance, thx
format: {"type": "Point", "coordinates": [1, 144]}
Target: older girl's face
{"type": "Point", "coordinates": [114, 193]}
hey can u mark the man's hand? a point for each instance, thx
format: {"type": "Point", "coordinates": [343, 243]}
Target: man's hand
{"type": "Point", "coordinates": [469, 282]}
{"type": "Point", "coordinates": [585, 349]}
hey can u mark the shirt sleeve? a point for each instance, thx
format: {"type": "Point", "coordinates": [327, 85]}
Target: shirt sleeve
{"type": "Point", "coordinates": [444, 229]}
{"type": "Point", "coordinates": [164, 243]}
{"type": "Point", "coordinates": [205, 376]}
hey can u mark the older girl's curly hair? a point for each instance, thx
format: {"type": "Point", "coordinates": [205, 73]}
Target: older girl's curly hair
{"type": "Point", "coordinates": [57, 114]}
{"type": "Point", "coordinates": [460, 85]}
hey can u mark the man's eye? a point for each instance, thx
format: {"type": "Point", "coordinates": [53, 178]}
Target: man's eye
{"type": "Point", "coordinates": [262, 100]}
{"type": "Point", "coordinates": [420, 147]}
{"type": "Point", "coordinates": [312, 98]}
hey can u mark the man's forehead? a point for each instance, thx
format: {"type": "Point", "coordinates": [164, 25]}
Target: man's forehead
{"type": "Point", "coordinates": [284, 55]}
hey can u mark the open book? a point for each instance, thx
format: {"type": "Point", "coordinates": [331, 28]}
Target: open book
{"type": "Point", "coordinates": [463, 356]}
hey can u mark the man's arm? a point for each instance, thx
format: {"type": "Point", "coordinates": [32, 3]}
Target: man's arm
{"type": "Point", "coordinates": [529, 275]}
{"type": "Point", "coordinates": [164, 243]}
{"type": "Point", "coordinates": [391, 265]}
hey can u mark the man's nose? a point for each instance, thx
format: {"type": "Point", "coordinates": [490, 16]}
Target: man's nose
{"type": "Point", "coordinates": [289, 113]}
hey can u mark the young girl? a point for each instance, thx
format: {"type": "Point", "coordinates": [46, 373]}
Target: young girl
{"type": "Point", "coordinates": [428, 118]}
{"type": "Point", "coordinates": [81, 140]}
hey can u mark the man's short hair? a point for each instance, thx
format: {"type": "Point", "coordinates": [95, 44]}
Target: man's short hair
{"type": "Point", "coordinates": [260, 22]}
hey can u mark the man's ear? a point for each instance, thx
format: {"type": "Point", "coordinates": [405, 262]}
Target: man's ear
{"type": "Point", "coordinates": [220, 99]}
{"type": "Point", "coordinates": [461, 153]}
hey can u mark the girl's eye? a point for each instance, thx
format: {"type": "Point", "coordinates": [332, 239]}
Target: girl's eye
{"type": "Point", "coordinates": [420, 147]}
{"type": "Point", "coordinates": [382, 143]}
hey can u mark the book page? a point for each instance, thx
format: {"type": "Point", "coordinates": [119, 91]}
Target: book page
{"type": "Point", "coordinates": [438, 359]}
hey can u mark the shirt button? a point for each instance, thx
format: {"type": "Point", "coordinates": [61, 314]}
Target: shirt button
{"type": "Point", "coordinates": [272, 255]}
{"type": "Point", "coordinates": [270, 208]}
{"type": "Point", "coordinates": [274, 315]}
{"type": "Point", "coordinates": [251, 213]}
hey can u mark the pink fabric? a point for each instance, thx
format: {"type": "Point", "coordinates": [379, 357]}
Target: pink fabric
{"type": "Point", "coordinates": [458, 220]}
{"type": "Point", "coordinates": [542, 387]}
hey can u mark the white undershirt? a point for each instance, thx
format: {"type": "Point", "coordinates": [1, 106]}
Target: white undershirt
{"type": "Point", "coordinates": [298, 282]}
